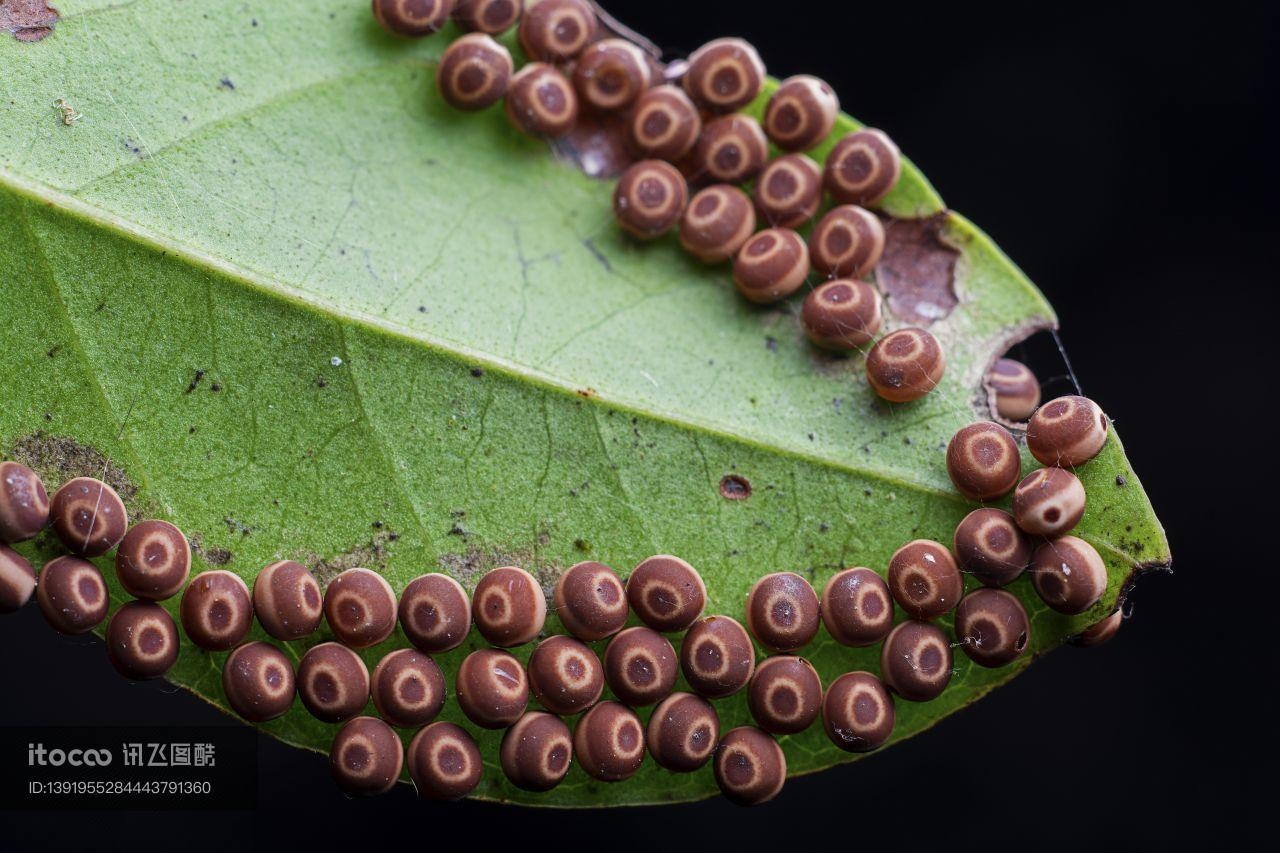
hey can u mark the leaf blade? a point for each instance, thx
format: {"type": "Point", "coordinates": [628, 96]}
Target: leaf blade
{"type": "Point", "coordinates": [560, 450]}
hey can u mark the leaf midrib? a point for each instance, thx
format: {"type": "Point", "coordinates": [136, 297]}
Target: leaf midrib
{"type": "Point", "coordinates": [309, 301]}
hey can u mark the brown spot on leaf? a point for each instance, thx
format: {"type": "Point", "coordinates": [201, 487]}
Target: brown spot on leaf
{"type": "Point", "coordinates": [58, 459]}
{"type": "Point", "coordinates": [371, 555]}
{"type": "Point", "coordinates": [916, 273]}
{"type": "Point", "coordinates": [212, 555]}
{"type": "Point", "coordinates": [471, 565]}
{"type": "Point", "coordinates": [735, 487]}
{"type": "Point", "coordinates": [27, 20]}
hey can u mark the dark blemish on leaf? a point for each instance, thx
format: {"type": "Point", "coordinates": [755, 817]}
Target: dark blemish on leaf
{"type": "Point", "coordinates": [235, 526]}
{"type": "Point", "coordinates": [916, 273]}
{"type": "Point", "coordinates": [215, 387]}
{"type": "Point", "coordinates": [377, 525]}
{"type": "Point", "coordinates": [48, 416]}
{"type": "Point", "coordinates": [735, 487]}
{"type": "Point", "coordinates": [867, 492]}
{"type": "Point", "coordinates": [1120, 480]}
{"type": "Point", "coordinates": [422, 309]}
{"type": "Point", "coordinates": [597, 145]}
{"type": "Point", "coordinates": [321, 382]}
{"type": "Point", "coordinates": [823, 527]}
{"type": "Point", "coordinates": [582, 545]}
{"type": "Point", "coordinates": [906, 439]}
{"type": "Point", "coordinates": [53, 351]}
{"type": "Point", "coordinates": [195, 381]}
{"type": "Point", "coordinates": [27, 20]}
{"type": "Point", "coordinates": [225, 83]}
{"type": "Point", "coordinates": [459, 530]}
{"type": "Point", "coordinates": [597, 254]}
{"type": "Point", "coordinates": [136, 150]}
{"type": "Point", "coordinates": [212, 555]}
{"type": "Point", "coordinates": [587, 393]}
{"type": "Point", "coordinates": [57, 459]}
{"type": "Point", "coordinates": [547, 575]}
{"type": "Point", "coordinates": [477, 372]}
{"type": "Point", "coordinates": [253, 22]}
{"type": "Point", "coordinates": [371, 555]}
{"type": "Point", "coordinates": [771, 343]}
{"type": "Point", "coordinates": [467, 568]}
{"type": "Point", "coordinates": [458, 513]}
{"type": "Point", "coordinates": [191, 431]}
{"type": "Point", "coordinates": [811, 437]}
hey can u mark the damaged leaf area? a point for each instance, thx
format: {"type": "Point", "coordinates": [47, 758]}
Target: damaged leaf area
{"type": "Point", "coordinates": [27, 20]}
{"type": "Point", "coordinates": [307, 311]}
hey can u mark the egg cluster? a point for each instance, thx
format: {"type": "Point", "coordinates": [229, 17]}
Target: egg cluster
{"type": "Point", "coordinates": [641, 665]}
{"type": "Point", "coordinates": [718, 656]}
{"type": "Point", "coordinates": [703, 166]}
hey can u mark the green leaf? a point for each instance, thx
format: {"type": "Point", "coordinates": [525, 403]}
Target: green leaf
{"type": "Point", "coordinates": [293, 303]}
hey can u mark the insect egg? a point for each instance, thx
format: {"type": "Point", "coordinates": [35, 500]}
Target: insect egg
{"type": "Point", "coordinates": [664, 123]}
{"type": "Point", "coordinates": [153, 560]}
{"type": "Point", "coordinates": [724, 75]}
{"type": "Point", "coordinates": [17, 580]}
{"type": "Point", "coordinates": [611, 74]}
{"type": "Point", "coordinates": [649, 198]}
{"type": "Point", "coordinates": [487, 16]}
{"type": "Point", "coordinates": [142, 641]}
{"type": "Point", "coordinates": [366, 757]}
{"type": "Point", "coordinates": [72, 595]}
{"type": "Point", "coordinates": [88, 516]}
{"type": "Point", "coordinates": [718, 220]}
{"type": "Point", "coordinates": [24, 504]}
{"type": "Point", "coordinates": [801, 112]}
{"type": "Point", "coordinates": [216, 610]}
{"type": "Point", "coordinates": [905, 365]}
{"type": "Point", "coordinates": [771, 265]}
{"type": "Point", "coordinates": [731, 149]}
{"type": "Point", "coordinates": [841, 314]}
{"type": "Point", "coordinates": [862, 167]}
{"type": "Point", "coordinates": [474, 72]}
{"type": "Point", "coordinates": [750, 767]}
{"type": "Point", "coordinates": [556, 30]}
{"type": "Point", "coordinates": [541, 102]}
{"type": "Point", "coordinates": [412, 18]}
{"type": "Point", "coordinates": [847, 241]}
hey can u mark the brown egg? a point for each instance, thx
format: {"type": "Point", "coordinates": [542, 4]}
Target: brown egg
{"type": "Point", "coordinates": [863, 167]}
{"type": "Point", "coordinates": [983, 461]}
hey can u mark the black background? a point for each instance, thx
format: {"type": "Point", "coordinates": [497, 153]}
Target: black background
{"type": "Point", "coordinates": [1124, 158]}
